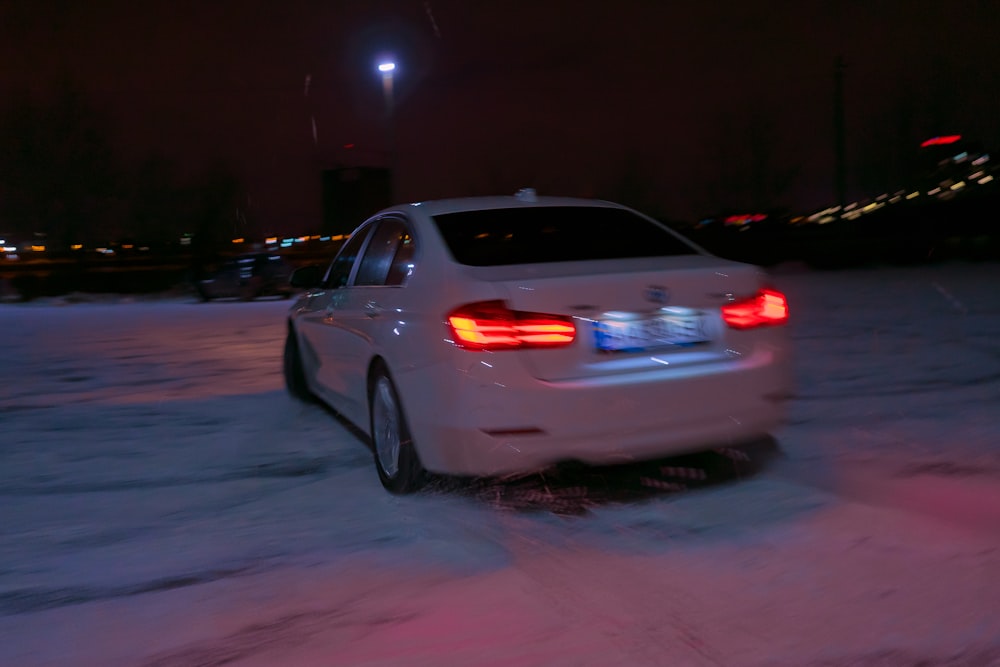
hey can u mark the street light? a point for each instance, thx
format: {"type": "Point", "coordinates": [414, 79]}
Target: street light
{"type": "Point", "coordinates": [387, 68]}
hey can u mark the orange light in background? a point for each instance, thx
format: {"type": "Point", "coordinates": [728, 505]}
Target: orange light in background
{"type": "Point", "coordinates": [240, 240]}
{"type": "Point", "coordinates": [76, 246]}
{"type": "Point", "coordinates": [38, 248]}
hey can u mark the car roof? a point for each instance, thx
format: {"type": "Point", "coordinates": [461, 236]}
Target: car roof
{"type": "Point", "coordinates": [441, 206]}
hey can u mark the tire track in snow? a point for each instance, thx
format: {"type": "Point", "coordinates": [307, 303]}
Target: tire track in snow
{"type": "Point", "coordinates": [947, 493]}
{"type": "Point", "coordinates": [648, 633]}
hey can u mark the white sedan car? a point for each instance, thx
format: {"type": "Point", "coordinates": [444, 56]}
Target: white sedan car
{"type": "Point", "coordinates": [495, 335]}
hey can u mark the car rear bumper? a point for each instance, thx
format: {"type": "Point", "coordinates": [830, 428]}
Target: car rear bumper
{"type": "Point", "coordinates": [496, 423]}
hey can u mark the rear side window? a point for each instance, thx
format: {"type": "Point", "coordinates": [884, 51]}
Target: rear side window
{"type": "Point", "coordinates": [388, 258]}
{"type": "Point", "coordinates": [554, 234]}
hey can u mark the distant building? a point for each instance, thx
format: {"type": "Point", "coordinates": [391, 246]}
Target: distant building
{"type": "Point", "coordinates": [352, 194]}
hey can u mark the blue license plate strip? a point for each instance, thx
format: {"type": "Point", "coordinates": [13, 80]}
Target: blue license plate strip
{"type": "Point", "coordinates": [643, 334]}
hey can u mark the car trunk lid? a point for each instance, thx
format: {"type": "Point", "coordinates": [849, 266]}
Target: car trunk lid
{"type": "Point", "coordinates": [631, 315]}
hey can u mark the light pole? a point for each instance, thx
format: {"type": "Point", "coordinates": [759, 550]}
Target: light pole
{"type": "Point", "coordinates": [387, 68]}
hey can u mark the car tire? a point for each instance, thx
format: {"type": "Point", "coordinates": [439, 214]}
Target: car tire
{"type": "Point", "coordinates": [399, 468]}
{"type": "Point", "coordinates": [295, 376]}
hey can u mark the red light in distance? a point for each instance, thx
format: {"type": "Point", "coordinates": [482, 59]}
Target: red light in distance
{"type": "Point", "coordinates": [941, 141]}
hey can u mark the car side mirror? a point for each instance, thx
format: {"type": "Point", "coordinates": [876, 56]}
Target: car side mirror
{"type": "Point", "coordinates": [307, 277]}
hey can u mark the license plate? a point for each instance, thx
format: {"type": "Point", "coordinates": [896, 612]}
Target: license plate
{"type": "Point", "coordinates": [637, 335]}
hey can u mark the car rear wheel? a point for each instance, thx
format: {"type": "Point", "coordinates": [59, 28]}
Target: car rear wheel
{"type": "Point", "coordinates": [295, 377]}
{"type": "Point", "coordinates": [399, 467]}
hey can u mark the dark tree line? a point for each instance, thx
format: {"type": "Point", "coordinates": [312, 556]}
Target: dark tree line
{"type": "Point", "coordinates": [61, 179]}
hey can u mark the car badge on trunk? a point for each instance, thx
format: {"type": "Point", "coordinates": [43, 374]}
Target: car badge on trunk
{"type": "Point", "coordinates": [657, 294]}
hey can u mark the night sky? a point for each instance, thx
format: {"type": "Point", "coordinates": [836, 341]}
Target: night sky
{"type": "Point", "coordinates": [684, 108]}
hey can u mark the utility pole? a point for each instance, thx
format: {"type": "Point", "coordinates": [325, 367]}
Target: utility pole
{"type": "Point", "coordinates": [839, 133]}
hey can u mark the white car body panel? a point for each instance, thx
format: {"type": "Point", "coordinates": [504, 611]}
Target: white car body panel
{"type": "Point", "coordinates": [491, 413]}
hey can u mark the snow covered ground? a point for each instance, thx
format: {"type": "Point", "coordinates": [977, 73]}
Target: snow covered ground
{"type": "Point", "coordinates": [164, 503]}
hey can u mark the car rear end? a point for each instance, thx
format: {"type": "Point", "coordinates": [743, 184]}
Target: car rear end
{"type": "Point", "coordinates": [591, 333]}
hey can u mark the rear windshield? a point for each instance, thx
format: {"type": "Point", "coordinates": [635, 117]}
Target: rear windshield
{"type": "Point", "coordinates": [533, 235]}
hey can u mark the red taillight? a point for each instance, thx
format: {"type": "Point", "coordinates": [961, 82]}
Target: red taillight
{"type": "Point", "coordinates": [491, 325]}
{"type": "Point", "coordinates": [766, 307]}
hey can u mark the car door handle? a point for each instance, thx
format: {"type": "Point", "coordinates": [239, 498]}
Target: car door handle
{"type": "Point", "coordinates": [372, 309]}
